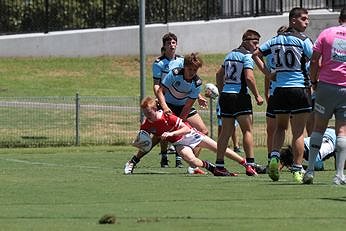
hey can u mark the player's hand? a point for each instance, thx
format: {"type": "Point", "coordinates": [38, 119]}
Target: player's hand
{"type": "Point", "coordinates": [271, 76]}
{"type": "Point", "coordinates": [167, 111]}
{"type": "Point", "coordinates": [203, 103]}
{"type": "Point", "coordinates": [165, 135]}
{"type": "Point", "coordinates": [259, 100]}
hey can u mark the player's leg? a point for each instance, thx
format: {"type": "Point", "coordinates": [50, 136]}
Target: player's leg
{"type": "Point", "coordinates": [163, 153]}
{"type": "Point", "coordinates": [210, 144]}
{"type": "Point", "coordinates": [340, 128]}
{"type": "Point", "coordinates": [188, 155]}
{"type": "Point", "coordinates": [281, 124]}
{"type": "Point", "coordinates": [298, 122]}
{"type": "Point", "coordinates": [324, 109]}
{"type": "Point", "coordinates": [131, 164]}
{"type": "Point", "coordinates": [235, 139]}
{"type": "Point", "coordinates": [226, 131]}
{"type": "Point", "coordinates": [196, 121]}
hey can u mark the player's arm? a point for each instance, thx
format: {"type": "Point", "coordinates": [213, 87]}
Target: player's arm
{"type": "Point", "coordinates": [257, 56]}
{"type": "Point", "coordinates": [314, 68]}
{"type": "Point", "coordinates": [251, 83]}
{"type": "Point", "coordinates": [186, 109]}
{"type": "Point", "coordinates": [156, 87]}
{"type": "Point", "coordinates": [182, 130]}
{"type": "Point", "coordinates": [162, 101]}
{"type": "Point", "coordinates": [266, 88]}
{"type": "Point", "coordinates": [202, 101]}
{"type": "Point", "coordinates": [220, 78]}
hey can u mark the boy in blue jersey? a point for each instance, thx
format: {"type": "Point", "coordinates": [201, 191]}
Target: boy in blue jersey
{"type": "Point", "coordinates": [269, 87]}
{"type": "Point", "coordinates": [160, 68]}
{"type": "Point", "coordinates": [291, 51]}
{"type": "Point", "coordinates": [180, 89]}
{"type": "Point", "coordinates": [233, 79]}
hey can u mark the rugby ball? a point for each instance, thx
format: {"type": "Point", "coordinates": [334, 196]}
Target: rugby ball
{"type": "Point", "coordinates": [143, 141]}
{"type": "Point", "coordinates": [211, 90]}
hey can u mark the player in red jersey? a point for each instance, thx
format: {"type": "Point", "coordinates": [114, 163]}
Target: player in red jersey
{"type": "Point", "coordinates": [185, 138]}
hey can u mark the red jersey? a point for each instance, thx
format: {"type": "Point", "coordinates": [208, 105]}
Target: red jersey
{"type": "Point", "coordinates": [166, 123]}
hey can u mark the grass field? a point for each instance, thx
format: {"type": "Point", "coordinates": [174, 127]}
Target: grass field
{"type": "Point", "coordinates": [98, 76]}
{"type": "Point", "coordinates": [71, 188]}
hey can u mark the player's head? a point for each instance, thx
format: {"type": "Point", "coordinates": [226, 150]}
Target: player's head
{"type": "Point", "coordinates": [169, 43]}
{"type": "Point", "coordinates": [299, 19]}
{"type": "Point", "coordinates": [250, 40]}
{"type": "Point", "coordinates": [342, 16]}
{"type": "Point", "coordinates": [286, 156]}
{"type": "Point", "coordinates": [192, 62]}
{"type": "Point", "coordinates": [149, 107]}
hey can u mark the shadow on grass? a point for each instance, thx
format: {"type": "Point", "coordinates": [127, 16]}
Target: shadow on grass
{"type": "Point", "coordinates": [341, 199]}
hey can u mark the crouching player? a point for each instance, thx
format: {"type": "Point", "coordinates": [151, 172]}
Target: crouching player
{"type": "Point", "coordinates": [171, 128]}
{"type": "Point", "coordinates": [327, 150]}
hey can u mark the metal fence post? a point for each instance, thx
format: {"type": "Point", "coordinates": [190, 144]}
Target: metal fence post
{"type": "Point", "coordinates": [104, 8]}
{"type": "Point", "coordinates": [77, 119]}
{"type": "Point", "coordinates": [211, 117]}
{"type": "Point", "coordinates": [46, 8]}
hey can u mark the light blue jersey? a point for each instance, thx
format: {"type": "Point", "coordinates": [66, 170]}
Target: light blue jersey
{"type": "Point", "coordinates": [178, 90]}
{"type": "Point", "coordinates": [162, 65]}
{"type": "Point", "coordinates": [291, 51]}
{"type": "Point", "coordinates": [234, 64]}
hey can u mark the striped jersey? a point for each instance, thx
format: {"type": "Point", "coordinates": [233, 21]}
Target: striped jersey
{"type": "Point", "coordinates": [178, 90]}
{"type": "Point", "coordinates": [291, 51]}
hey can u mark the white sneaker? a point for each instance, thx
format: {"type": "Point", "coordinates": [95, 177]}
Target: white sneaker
{"type": "Point", "coordinates": [190, 170]}
{"type": "Point", "coordinates": [338, 180]}
{"type": "Point", "coordinates": [308, 177]}
{"type": "Point", "coordinates": [195, 171]}
{"type": "Point", "coordinates": [128, 169]}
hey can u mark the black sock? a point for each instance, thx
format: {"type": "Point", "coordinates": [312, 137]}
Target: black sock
{"type": "Point", "coordinates": [135, 160]}
{"type": "Point", "coordinates": [209, 166]}
{"type": "Point", "coordinates": [164, 154]}
{"type": "Point", "coordinates": [250, 161]}
{"type": "Point", "coordinates": [220, 164]}
{"type": "Point", "coordinates": [177, 157]}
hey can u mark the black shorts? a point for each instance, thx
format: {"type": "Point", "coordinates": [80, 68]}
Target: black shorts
{"type": "Point", "coordinates": [293, 100]}
{"type": "Point", "coordinates": [270, 109]}
{"type": "Point", "coordinates": [178, 109]}
{"type": "Point", "coordinates": [233, 104]}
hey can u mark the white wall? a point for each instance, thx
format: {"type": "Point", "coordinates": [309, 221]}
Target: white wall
{"type": "Point", "coordinates": [215, 36]}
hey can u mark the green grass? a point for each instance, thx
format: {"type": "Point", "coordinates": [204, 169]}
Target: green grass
{"type": "Point", "coordinates": [71, 188]}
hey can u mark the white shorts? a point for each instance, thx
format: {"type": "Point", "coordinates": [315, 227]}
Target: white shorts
{"type": "Point", "coordinates": [191, 139]}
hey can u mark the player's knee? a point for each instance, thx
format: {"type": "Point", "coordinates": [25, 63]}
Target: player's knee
{"type": "Point", "coordinates": [340, 143]}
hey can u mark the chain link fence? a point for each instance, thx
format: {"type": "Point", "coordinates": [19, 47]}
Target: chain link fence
{"type": "Point", "coordinates": [85, 120]}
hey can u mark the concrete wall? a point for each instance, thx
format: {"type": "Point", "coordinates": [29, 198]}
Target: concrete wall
{"type": "Point", "coordinates": [215, 36]}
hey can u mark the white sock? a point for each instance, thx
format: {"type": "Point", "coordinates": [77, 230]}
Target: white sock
{"type": "Point", "coordinates": [340, 148]}
{"type": "Point", "coordinates": [315, 145]}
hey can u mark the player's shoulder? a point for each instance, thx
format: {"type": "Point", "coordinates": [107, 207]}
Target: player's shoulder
{"type": "Point", "coordinates": [197, 80]}
{"type": "Point", "coordinates": [159, 59]}
{"type": "Point", "coordinates": [294, 33]}
{"type": "Point", "coordinates": [177, 71]}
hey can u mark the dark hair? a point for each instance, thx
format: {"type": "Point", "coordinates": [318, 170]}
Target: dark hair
{"type": "Point", "coordinates": [296, 12]}
{"type": "Point", "coordinates": [282, 28]}
{"type": "Point", "coordinates": [250, 35]}
{"type": "Point", "coordinates": [168, 37]}
{"type": "Point", "coordinates": [286, 156]}
{"type": "Point", "coordinates": [342, 16]}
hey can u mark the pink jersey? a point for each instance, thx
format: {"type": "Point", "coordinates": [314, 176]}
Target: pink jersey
{"type": "Point", "coordinates": [331, 43]}
{"type": "Point", "coordinates": [166, 123]}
